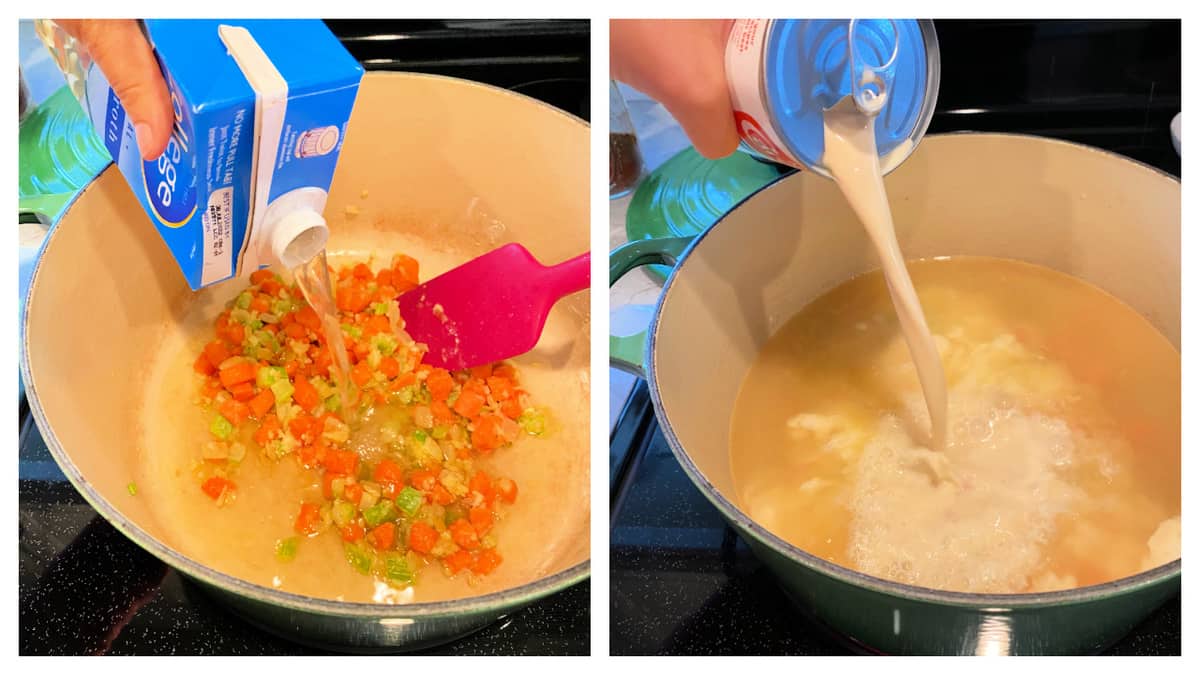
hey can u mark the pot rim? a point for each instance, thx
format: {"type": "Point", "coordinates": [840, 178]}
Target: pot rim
{"type": "Point", "coordinates": [479, 604]}
{"type": "Point", "coordinates": [746, 525]}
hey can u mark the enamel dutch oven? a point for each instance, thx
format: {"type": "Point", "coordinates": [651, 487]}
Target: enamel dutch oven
{"type": "Point", "coordinates": [439, 168]}
{"type": "Point", "coordinates": [1100, 217]}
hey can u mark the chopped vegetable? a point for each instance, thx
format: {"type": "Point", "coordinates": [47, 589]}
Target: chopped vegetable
{"type": "Point", "coordinates": [131, 489]}
{"type": "Point", "coordinates": [285, 549]}
{"type": "Point", "coordinates": [409, 500]}
{"type": "Point", "coordinates": [221, 428]}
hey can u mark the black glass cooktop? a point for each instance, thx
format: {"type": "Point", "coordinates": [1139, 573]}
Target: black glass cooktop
{"type": "Point", "coordinates": [682, 581]}
{"type": "Point", "coordinates": [85, 589]}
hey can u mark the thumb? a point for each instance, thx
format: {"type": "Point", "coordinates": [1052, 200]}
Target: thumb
{"type": "Point", "coordinates": [127, 61]}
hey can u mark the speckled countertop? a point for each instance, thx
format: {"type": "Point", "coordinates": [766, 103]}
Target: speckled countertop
{"type": "Point", "coordinates": [86, 589]}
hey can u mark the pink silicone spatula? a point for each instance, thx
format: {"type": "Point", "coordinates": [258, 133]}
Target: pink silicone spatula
{"type": "Point", "coordinates": [489, 309]}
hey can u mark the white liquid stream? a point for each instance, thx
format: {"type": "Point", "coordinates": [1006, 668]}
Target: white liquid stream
{"type": "Point", "coordinates": [852, 159]}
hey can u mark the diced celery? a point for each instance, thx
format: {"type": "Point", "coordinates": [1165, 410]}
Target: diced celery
{"type": "Point", "coordinates": [439, 432]}
{"type": "Point", "coordinates": [283, 390]}
{"type": "Point", "coordinates": [453, 398]}
{"type": "Point", "coordinates": [533, 422]}
{"type": "Point", "coordinates": [370, 496]}
{"type": "Point", "coordinates": [243, 301]}
{"type": "Point", "coordinates": [337, 486]}
{"type": "Point", "coordinates": [385, 343]}
{"type": "Point", "coordinates": [380, 308]}
{"type": "Point", "coordinates": [407, 394]}
{"type": "Point", "coordinates": [255, 324]}
{"type": "Point", "coordinates": [374, 357]}
{"type": "Point", "coordinates": [396, 569]}
{"type": "Point", "coordinates": [420, 435]}
{"type": "Point", "coordinates": [358, 558]}
{"type": "Point", "coordinates": [343, 512]}
{"type": "Point", "coordinates": [285, 549]}
{"type": "Point", "coordinates": [221, 427]}
{"type": "Point", "coordinates": [132, 489]}
{"type": "Point", "coordinates": [270, 375]}
{"type": "Point", "coordinates": [353, 331]}
{"type": "Point", "coordinates": [381, 512]}
{"type": "Point", "coordinates": [409, 500]}
{"type": "Point", "coordinates": [240, 315]}
{"type": "Point", "coordinates": [333, 403]}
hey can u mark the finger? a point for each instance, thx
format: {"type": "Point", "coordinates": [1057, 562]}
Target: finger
{"type": "Point", "coordinates": [122, 53]}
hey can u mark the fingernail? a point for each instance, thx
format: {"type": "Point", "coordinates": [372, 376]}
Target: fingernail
{"type": "Point", "coordinates": [142, 131]}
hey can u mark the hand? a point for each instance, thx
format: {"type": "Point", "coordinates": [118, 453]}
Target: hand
{"type": "Point", "coordinates": [126, 59]}
{"type": "Point", "coordinates": [681, 64]}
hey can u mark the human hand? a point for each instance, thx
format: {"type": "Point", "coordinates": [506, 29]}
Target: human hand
{"type": "Point", "coordinates": [127, 61]}
{"type": "Point", "coordinates": [681, 64]}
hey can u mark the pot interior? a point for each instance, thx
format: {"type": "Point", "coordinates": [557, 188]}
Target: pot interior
{"type": "Point", "coordinates": [1105, 220]}
{"type": "Point", "coordinates": [440, 169]}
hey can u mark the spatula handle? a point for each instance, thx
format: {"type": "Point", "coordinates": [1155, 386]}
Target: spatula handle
{"type": "Point", "coordinates": [569, 277]}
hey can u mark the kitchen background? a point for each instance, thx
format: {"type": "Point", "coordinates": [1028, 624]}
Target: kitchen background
{"type": "Point", "coordinates": [682, 581]}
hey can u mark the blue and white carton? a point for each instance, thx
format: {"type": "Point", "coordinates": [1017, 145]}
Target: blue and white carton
{"type": "Point", "coordinates": [261, 108]}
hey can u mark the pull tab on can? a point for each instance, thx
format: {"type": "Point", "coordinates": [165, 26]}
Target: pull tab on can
{"type": "Point", "coordinates": [784, 73]}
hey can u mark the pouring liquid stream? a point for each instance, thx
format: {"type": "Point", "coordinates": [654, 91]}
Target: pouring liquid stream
{"type": "Point", "coordinates": [852, 159]}
{"type": "Point", "coordinates": [313, 279]}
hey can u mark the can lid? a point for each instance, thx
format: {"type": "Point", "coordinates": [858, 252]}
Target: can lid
{"type": "Point", "coordinates": [808, 68]}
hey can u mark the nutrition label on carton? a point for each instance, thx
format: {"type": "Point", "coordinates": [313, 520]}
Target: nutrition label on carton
{"type": "Point", "coordinates": [218, 235]}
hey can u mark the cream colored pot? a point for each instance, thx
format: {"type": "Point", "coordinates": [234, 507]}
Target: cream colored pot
{"type": "Point", "coordinates": [1094, 215]}
{"type": "Point", "coordinates": [441, 169]}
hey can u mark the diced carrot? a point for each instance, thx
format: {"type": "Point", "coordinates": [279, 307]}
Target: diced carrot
{"type": "Point", "coordinates": [441, 495]}
{"type": "Point", "coordinates": [216, 352]}
{"type": "Point", "coordinates": [458, 561]}
{"type": "Point", "coordinates": [441, 411]}
{"type": "Point", "coordinates": [377, 323]}
{"type": "Point", "coordinates": [463, 534]}
{"type": "Point", "coordinates": [243, 371]}
{"type": "Point", "coordinates": [306, 394]}
{"type": "Point", "coordinates": [384, 278]}
{"type": "Point", "coordinates": [212, 387]}
{"type": "Point", "coordinates": [242, 391]}
{"type": "Point", "coordinates": [389, 367]}
{"type": "Point", "coordinates": [295, 331]}
{"type": "Point", "coordinates": [507, 371]}
{"type": "Point", "coordinates": [235, 333]}
{"type": "Point", "coordinates": [352, 297]}
{"type": "Point", "coordinates": [482, 372]}
{"type": "Point", "coordinates": [261, 404]}
{"type": "Point", "coordinates": [352, 493]}
{"type": "Point", "coordinates": [235, 411]}
{"type": "Point", "coordinates": [260, 276]}
{"type": "Point", "coordinates": [271, 287]}
{"type": "Point", "coordinates": [313, 455]}
{"type": "Point", "coordinates": [506, 489]}
{"type": "Point", "coordinates": [268, 430]}
{"type": "Point", "coordinates": [203, 365]}
{"type": "Point", "coordinates": [260, 304]}
{"type": "Point", "coordinates": [307, 316]}
{"type": "Point", "coordinates": [481, 483]}
{"type": "Point", "coordinates": [361, 373]}
{"type": "Point", "coordinates": [352, 532]}
{"type": "Point", "coordinates": [501, 388]}
{"type": "Point", "coordinates": [383, 537]}
{"type": "Point", "coordinates": [487, 561]}
{"type": "Point", "coordinates": [406, 268]}
{"type": "Point", "coordinates": [422, 537]}
{"type": "Point", "coordinates": [486, 435]}
{"type": "Point", "coordinates": [291, 367]}
{"type": "Point", "coordinates": [215, 486]}
{"type": "Point", "coordinates": [422, 480]}
{"type": "Point", "coordinates": [322, 361]}
{"type": "Point", "coordinates": [327, 484]}
{"type": "Point", "coordinates": [343, 462]}
{"type": "Point", "coordinates": [481, 519]}
{"type": "Point", "coordinates": [475, 385]}
{"type": "Point", "coordinates": [388, 472]}
{"type": "Point", "coordinates": [306, 428]}
{"type": "Point", "coordinates": [309, 518]}
{"type": "Point", "coordinates": [469, 404]}
{"type": "Point", "coordinates": [272, 328]}
{"type": "Point", "coordinates": [511, 408]}
{"type": "Point", "coordinates": [440, 384]}
{"type": "Point", "coordinates": [361, 271]}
